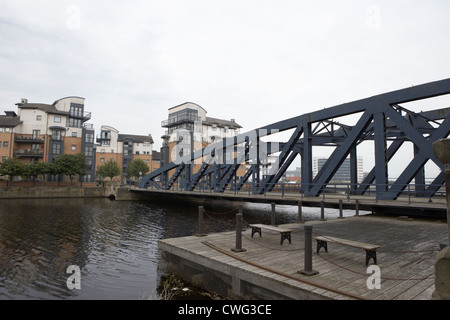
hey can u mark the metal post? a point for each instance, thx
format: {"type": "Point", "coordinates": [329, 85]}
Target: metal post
{"type": "Point", "coordinates": [300, 213]}
{"type": "Point", "coordinates": [238, 247]}
{"type": "Point", "coordinates": [308, 253]}
{"type": "Point", "coordinates": [341, 215]}
{"type": "Point", "coordinates": [272, 214]}
{"type": "Point", "coordinates": [357, 208]}
{"type": "Point", "coordinates": [322, 211]}
{"type": "Point", "coordinates": [200, 222]}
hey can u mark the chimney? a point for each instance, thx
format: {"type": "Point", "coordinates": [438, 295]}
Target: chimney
{"type": "Point", "coordinates": [24, 101]}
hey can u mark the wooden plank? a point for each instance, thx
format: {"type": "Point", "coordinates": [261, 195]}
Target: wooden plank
{"type": "Point", "coordinates": [350, 243]}
{"type": "Point", "coordinates": [267, 227]}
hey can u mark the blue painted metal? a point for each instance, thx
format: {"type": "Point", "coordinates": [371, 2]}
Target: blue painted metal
{"type": "Point", "coordinates": [381, 119]}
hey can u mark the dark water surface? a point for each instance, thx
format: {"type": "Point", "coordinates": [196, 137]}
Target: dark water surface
{"type": "Point", "coordinates": [114, 243]}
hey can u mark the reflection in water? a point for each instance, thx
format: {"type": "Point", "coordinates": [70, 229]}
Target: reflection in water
{"type": "Point", "coordinates": [113, 242]}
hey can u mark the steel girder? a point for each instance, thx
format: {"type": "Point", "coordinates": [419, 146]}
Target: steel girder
{"type": "Point", "coordinates": [381, 119]}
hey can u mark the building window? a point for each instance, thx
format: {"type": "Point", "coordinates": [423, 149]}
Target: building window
{"type": "Point", "coordinates": [75, 123]}
{"type": "Point", "coordinates": [74, 148]}
{"type": "Point", "coordinates": [1, 129]}
{"type": "Point", "coordinates": [76, 111]}
{"type": "Point", "coordinates": [56, 135]}
{"type": "Point", "coordinates": [5, 143]}
{"type": "Point", "coordinates": [89, 137]}
{"type": "Point", "coordinates": [56, 148]}
{"type": "Point", "coordinates": [102, 159]}
{"type": "Point", "coordinates": [7, 129]}
{"type": "Point", "coordinates": [4, 158]}
{"type": "Point", "coordinates": [38, 117]}
{"type": "Point", "coordinates": [35, 147]}
{"type": "Point", "coordinates": [88, 151]}
{"type": "Point", "coordinates": [57, 119]}
{"type": "Point", "coordinates": [36, 134]}
{"type": "Point", "coordinates": [74, 134]}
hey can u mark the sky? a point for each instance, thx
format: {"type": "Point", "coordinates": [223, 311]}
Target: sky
{"type": "Point", "coordinates": [256, 61]}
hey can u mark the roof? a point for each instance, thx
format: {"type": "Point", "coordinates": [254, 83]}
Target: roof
{"type": "Point", "coordinates": [49, 108]}
{"type": "Point", "coordinates": [188, 103]}
{"type": "Point", "coordinates": [156, 155]}
{"type": "Point", "coordinates": [136, 138]}
{"type": "Point", "coordinates": [222, 123]}
{"type": "Point", "coordinates": [8, 120]}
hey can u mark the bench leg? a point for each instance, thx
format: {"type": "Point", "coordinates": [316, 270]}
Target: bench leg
{"type": "Point", "coordinates": [322, 244]}
{"type": "Point", "coordinates": [256, 230]}
{"type": "Point", "coordinates": [371, 254]}
{"type": "Point", "coordinates": [285, 236]}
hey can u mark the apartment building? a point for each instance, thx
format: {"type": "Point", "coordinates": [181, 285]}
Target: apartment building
{"type": "Point", "coordinates": [344, 172]}
{"type": "Point", "coordinates": [41, 132]}
{"type": "Point", "coordinates": [199, 132]}
{"type": "Point", "coordinates": [123, 148]}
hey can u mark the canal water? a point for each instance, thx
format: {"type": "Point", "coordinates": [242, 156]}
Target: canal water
{"type": "Point", "coordinates": [112, 243]}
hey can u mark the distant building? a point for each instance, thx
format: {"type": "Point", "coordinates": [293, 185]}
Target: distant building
{"type": "Point", "coordinates": [294, 175]}
{"type": "Point", "coordinates": [202, 130]}
{"type": "Point", "coordinates": [40, 132]}
{"type": "Point", "coordinates": [343, 173]}
{"type": "Point", "coordinates": [123, 148]}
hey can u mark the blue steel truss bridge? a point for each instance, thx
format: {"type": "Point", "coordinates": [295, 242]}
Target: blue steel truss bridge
{"type": "Point", "coordinates": [381, 128]}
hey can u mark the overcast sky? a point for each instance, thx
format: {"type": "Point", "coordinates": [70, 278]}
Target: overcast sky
{"type": "Point", "coordinates": [257, 61]}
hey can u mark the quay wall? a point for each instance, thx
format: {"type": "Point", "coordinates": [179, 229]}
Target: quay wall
{"type": "Point", "coordinates": [227, 280]}
{"type": "Point", "coordinates": [29, 192]}
{"type": "Point", "coordinates": [19, 192]}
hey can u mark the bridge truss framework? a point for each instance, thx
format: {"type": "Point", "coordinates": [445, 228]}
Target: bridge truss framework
{"type": "Point", "coordinates": [380, 119]}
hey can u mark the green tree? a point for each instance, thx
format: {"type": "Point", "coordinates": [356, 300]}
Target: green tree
{"type": "Point", "coordinates": [12, 167]}
{"type": "Point", "coordinates": [109, 169]}
{"type": "Point", "coordinates": [70, 165]}
{"type": "Point", "coordinates": [137, 167]}
{"type": "Point", "coordinates": [40, 168]}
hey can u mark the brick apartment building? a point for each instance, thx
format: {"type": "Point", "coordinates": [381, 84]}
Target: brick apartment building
{"type": "Point", "coordinates": [123, 148]}
{"type": "Point", "coordinates": [41, 132]}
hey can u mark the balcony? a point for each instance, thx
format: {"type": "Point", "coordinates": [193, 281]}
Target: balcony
{"type": "Point", "coordinates": [85, 116]}
{"type": "Point", "coordinates": [29, 139]}
{"type": "Point", "coordinates": [31, 153]}
{"type": "Point", "coordinates": [183, 118]}
{"type": "Point", "coordinates": [103, 140]}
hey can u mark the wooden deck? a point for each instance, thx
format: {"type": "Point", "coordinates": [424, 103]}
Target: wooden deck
{"type": "Point", "coordinates": [406, 257]}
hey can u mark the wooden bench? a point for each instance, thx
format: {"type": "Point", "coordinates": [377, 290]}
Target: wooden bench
{"type": "Point", "coordinates": [285, 233]}
{"type": "Point", "coordinates": [371, 249]}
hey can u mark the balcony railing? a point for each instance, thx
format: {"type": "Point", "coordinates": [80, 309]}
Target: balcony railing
{"type": "Point", "coordinates": [29, 139]}
{"type": "Point", "coordinates": [29, 153]}
{"type": "Point", "coordinates": [179, 119]}
{"type": "Point", "coordinates": [86, 116]}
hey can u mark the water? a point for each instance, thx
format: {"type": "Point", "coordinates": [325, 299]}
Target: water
{"type": "Point", "coordinates": [114, 243]}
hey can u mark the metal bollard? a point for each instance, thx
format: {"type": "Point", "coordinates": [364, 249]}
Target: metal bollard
{"type": "Point", "coordinates": [300, 213]}
{"type": "Point", "coordinates": [341, 215]}
{"type": "Point", "coordinates": [238, 247]}
{"type": "Point", "coordinates": [322, 211]}
{"type": "Point", "coordinates": [272, 215]}
{"type": "Point", "coordinates": [200, 232]}
{"type": "Point", "coordinates": [308, 270]}
{"type": "Point", "coordinates": [357, 208]}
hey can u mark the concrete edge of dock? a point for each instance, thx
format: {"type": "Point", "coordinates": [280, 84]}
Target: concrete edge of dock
{"type": "Point", "coordinates": [236, 279]}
